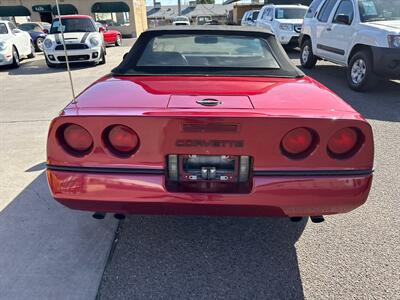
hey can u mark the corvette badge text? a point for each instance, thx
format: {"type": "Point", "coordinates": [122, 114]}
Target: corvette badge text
{"type": "Point", "coordinates": [210, 143]}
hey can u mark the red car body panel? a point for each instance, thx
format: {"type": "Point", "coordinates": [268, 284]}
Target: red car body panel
{"type": "Point", "coordinates": [110, 36]}
{"type": "Point", "coordinates": [260, 110]}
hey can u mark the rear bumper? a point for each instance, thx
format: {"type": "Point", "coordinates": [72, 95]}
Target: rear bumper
{"type": "Point", "coordinates": [387, 62]}
{"type": "Point", "coordinates": [270, 195]}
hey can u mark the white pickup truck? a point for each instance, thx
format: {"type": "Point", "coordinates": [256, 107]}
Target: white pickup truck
{"type": "Point", "coordinates": [363, 35]}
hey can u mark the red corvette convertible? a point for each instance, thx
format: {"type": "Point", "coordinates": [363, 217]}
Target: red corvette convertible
{"type": "Point", "coordinates": [210, 120]}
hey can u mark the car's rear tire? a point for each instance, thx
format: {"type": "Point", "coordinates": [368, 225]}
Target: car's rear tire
{"type": "Point", "coordinates": [49, 64]}
{"type": "Point", "coordinates": [39, 44]}
{"type": "Point", "coordinates": [118, 41]}
{"type": "Point", "coordinates": [307, 58]}
{"type": "Point", "coordinates": [360, 72]}
{"type": "Point", "coordinates": [33, 53]}
{"type": "Point", "coordinates": [16, 62]}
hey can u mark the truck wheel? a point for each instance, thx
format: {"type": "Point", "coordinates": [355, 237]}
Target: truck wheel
{"type": "Point", "coordinates": [307, 58]}
{"type": "Point", "coordinates": [360, 73]}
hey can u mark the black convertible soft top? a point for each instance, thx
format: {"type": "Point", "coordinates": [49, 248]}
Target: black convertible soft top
{"type": "Point", "coordinates": [129, 64]}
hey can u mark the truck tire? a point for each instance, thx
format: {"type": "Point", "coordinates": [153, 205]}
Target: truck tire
{"type": "Point", "coordinates": [360, 72]}
{"type": "Point", "coordinates": [307, 58]}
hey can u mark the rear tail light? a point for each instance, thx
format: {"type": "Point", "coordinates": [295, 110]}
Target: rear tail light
{"type": "Point", "coordinates": [344, 143]}
{"type": "Point", "coordinates": [121, 140]}
{"type": "Point", "coordinates": [76, 139]}
{"type": "Point", "coordinates": [298, 142]}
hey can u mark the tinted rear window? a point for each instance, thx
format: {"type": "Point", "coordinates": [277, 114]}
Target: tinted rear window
{"type": "Point", "coordinates": [210, 51]}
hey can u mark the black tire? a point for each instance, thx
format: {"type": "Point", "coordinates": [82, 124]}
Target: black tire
{"type": "Point", "coordinates": [16, 62]}
{"type": "Point", "coordinates": [360, 72]}
{"type": "Point", "coordinates": [118, 41]}
{"type": "Point", "coordinates": [39, 44]}
{"type": "Point", "coordinates": [103, 58]}
{"type": "Point", "coordinates": [33, 53]}
{"type": "Point", "coordinates": [49, 64]}
{"type": "Point", "coordinates": [307, 58]}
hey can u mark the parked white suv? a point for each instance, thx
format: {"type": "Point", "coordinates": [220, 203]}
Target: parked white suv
{"type": "Point", "coordinates": [249, 18]}
{"type": "Point", "coordinates": [284, 21]}
{"type": "Point", "coordinates": [363, 35]}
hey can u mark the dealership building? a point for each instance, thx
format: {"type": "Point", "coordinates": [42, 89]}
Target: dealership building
{"type": "Point", "coordinates": [127, 16]}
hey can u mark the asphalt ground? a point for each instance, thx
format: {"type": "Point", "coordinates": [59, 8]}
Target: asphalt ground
{"type": "Point", "coordinates": [50, 252]}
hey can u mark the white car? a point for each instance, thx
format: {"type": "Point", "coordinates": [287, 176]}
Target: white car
{"type": "Point", "coordinates": [249, 18]}
{"type": "Point", "coordinates": [83, 41]}
{"type": "Point", "coordinates": [181, 20]}
{"type": "Point", "coordinates": [15, 44]}
{"type": "Point", "coordinates": [284, 21]}
{"type": "Point", "coordinates": [363, 35]}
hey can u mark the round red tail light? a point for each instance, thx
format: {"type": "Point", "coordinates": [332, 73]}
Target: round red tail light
{"type": "Point", "coordinates": [344, 142]}
{"type": "Point", "coordinates": [77, 138]}
{"type": "Point", "coordinates": [122, 140]}
{"type": "Point", "coordinates": [298, 142]}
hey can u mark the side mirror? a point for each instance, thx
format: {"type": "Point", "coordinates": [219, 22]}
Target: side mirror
{"type": "Point", "coordinates": [45, 31]}
{"type": "Point", "coordinates": [342, 19]}
{"type": "Point", "coordinates": [125, 55]}
{"type": "Point", "coordinates": [102, 29]}
{"type": "Point", "coordinates": [15, 31]}
{"type": "Point", "coordinates": [269, 18]}
{"type": "Point", "coordinates": [249, 19]}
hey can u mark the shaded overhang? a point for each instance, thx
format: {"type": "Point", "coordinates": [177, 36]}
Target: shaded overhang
{"type": "Point", "coordinates": [14, 11]}
{"type": "Point", "coordinates": [110, 7]}
{"type": "Point", "coordinates": [65, 9]}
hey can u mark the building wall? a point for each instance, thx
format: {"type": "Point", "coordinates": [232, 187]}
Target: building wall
{"type": "Point", "coordinates": [137, 13]}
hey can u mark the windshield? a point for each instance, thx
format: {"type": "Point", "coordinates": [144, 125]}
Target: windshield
{"type": "Point", "coordinates": [29, 27]}
{"type": "Point", "coordinates": [73, 25]}
{"type": "Point", "coordinates": [290, 13]}
{"type": "Point", "coordinates": [3, 28]}
{"type": "Point", "coordinates": [211, 51]}
{"type": "Point", "coordinates": [379, 10]}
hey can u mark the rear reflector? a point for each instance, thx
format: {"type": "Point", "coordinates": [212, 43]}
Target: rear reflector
{"type": "Point", "coordinates": [343, 143]}
{"type": "Point", "coordinates": [297, 142]}
{"type": "Point", "coordinates": [77, 138]}
{"type": "Point", "coordinates": [122, 140]}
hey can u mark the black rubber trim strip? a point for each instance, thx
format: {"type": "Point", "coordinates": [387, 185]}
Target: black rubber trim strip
{"type": "Point", "coordinates": [162, 171]}
{"type": "Point", "coordinates": [314, 173]}
{"type": "Point", "coordinates": [107, 170]}
{"type": "Point", "coordinates": [331, 49]}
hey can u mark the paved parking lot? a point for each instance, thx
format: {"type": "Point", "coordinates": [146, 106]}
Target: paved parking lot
{"type": "Point", "coordinates": [48, 251]}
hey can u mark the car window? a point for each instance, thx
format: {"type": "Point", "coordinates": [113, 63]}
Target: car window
{"type": "Point", "coordinates": [73, 25]}
{"type": "Point", "coordinates": [326, 10]}
{"type": "Point", "coordinates": [245, 16]}
{"type": "Point", "coordinates": [210, 51]}
{"type": "Point", "coordinates": [255, 15]}
{"type": "Point", "coordinates": [3, 28]}
{"type": "Point", "coordinates": [345, 8]}
{"type": "Point", "coordinates": [379, 10]}
{"type": "Point", "coordinates": [290, 13]}
{"type": "Point", "coordinates": [313, 8]}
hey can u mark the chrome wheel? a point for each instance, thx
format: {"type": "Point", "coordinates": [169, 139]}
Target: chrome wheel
{"type": "Point", "coordinates": [358, 71]}
{"type": "Point", "coordinates": [305, 54]}
{"type": "Point", "coordinates": [39, 44]}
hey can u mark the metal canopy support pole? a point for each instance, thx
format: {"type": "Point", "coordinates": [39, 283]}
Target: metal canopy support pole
{"type": "Point", "coordinates": [65, 53]}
